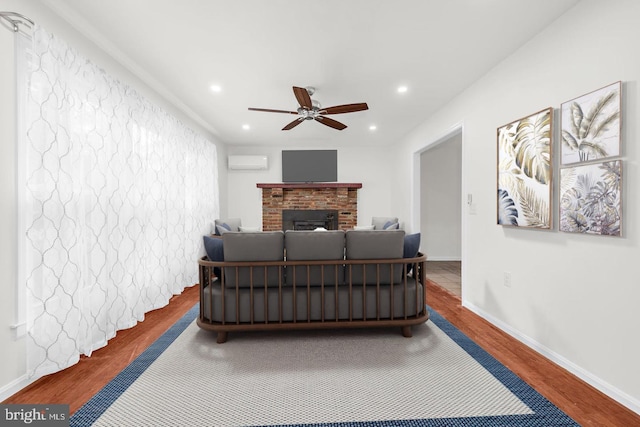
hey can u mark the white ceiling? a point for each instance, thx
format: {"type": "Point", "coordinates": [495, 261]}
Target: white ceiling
{"type": "Point", "coordinates": [349, 50]}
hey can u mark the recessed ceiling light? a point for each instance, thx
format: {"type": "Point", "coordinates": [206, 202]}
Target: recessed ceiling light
{"type": "Point", "coordinates": [215, 88]}
{"type": "Point", "coordinates": [373, 127]}
{"type": "Point", "coordinates": [246, 127]}
{"type": "Point", "coordinates": [402, 89]}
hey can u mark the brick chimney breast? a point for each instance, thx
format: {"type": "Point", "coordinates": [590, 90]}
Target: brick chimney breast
{"type": "Point", "coordinates": [341, 197]}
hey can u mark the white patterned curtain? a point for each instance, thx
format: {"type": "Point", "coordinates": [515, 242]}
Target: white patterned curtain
{"type": "Point", "coordinates": [119, 194]}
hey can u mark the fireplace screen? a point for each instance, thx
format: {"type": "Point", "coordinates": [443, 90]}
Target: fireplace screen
{"type": "Point", "coordinates": [309, 219]}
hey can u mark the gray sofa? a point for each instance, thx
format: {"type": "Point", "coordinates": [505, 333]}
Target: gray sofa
{"type": "Point", "coordinates": [312, 279]}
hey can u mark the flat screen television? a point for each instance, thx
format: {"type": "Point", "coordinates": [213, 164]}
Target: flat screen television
{"type": "Point", "coordinates": [309, 165]}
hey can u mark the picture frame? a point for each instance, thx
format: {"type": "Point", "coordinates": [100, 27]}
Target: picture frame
{"type": "Point", "coordinates": [591, 125]}
{"type": "Point", "coordinates": [591, 198]}
{"type": "Point", "coordinates": [525, 171]}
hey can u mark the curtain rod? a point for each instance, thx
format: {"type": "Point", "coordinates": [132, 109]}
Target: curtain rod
{"type": "Point", "coordinates": [16, 20]}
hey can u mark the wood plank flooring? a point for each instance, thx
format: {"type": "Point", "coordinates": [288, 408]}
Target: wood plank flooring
{"type": "Point", "coordinates": [78, 383]}
{"type": "Point", "coordinates": [586, 405]}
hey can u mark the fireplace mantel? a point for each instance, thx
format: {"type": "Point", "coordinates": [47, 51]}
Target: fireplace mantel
{"type": "Point", "coordinates": [339, 196]}
{"type": "Point", "coordinates": [312, 185]}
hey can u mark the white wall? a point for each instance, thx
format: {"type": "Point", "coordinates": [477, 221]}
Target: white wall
{"type": "Point", "coordinates": [440, 200]}
{"type": "Point", "coordinates": [573, 297]}
{"type": "Point", "coordinates": [12, 356]}
{"type": "Point", "coordinates": [370, 166]}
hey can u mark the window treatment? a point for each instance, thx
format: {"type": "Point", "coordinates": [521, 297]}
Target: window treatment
{"type": "Point", "coordinates": [118, 195]}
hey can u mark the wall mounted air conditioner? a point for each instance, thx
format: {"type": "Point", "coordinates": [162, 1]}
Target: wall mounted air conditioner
{"type": "Point", "coordinates": [247, 162]}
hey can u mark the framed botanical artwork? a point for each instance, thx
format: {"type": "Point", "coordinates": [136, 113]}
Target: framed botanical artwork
{"type": "Point", "coordinates": [590, 198]}
{"type": "Point", "coordinates": [525, 171]}
{"type": "Point", "coordinates": [591, 125]}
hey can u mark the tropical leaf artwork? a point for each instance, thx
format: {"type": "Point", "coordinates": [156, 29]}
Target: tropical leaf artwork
{"type": "Point", "coordinates": [590, 199]}
{"type": "Point", "coordinates": [525, 171]}
{"type": "Point", "coordinates": [591, 126]}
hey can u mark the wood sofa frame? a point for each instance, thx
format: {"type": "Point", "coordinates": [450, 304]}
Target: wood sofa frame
{"type": "Point", "coordinates": [402, 320]}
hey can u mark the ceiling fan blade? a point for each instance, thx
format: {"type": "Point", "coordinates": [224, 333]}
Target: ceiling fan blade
{"type": "Point", "coordinates": [347, 108]}
{"type": "Point", "coordinates": [268, 110]}
{"type": "Point", "coordinates": [293, 124]}
{"type": "Point", "coordinates": [303, 97]}
{"type": "Point", "coordinates": [330, 122]}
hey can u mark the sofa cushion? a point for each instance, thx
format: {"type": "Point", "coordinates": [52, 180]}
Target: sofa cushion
{"type": "Point", "coordinates": [254, 246]}
{"type": "Point", "coordinates": [379, 221]}
{"type": "Point", "coordinates": [214, 248]}
{"type": "Point", "coordinates": [411, 248]}
{"type": "Point", "coordinates": [257, 246]}
{"type": "Point", "coordinates": [311, 246]}
{"type": "Point", "coordinates": [374, 244]}
{"type": "Point", "coordinates": [411, 245]}
{"type": "Point", "coordinates": [215, 252]}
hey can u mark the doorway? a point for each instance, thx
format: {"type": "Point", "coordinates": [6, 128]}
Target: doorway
{"type": "Point", "coordinates": [440, 200]}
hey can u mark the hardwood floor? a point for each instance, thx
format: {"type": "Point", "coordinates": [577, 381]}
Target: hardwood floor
{"type": "Point", "coordinates": [78, 383]}
{"type": "Point", "coordinates": [586, 405]}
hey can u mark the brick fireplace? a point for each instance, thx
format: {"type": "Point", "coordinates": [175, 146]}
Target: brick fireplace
{"type": "Point", "coordinates": [341, 198]}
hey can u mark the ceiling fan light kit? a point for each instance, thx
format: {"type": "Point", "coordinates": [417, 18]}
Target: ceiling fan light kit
{"type": "Point", "coordinates": [310, 109]}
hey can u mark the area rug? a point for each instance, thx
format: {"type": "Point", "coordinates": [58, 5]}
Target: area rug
{"type": "Point", "coordinates": [341, 378]}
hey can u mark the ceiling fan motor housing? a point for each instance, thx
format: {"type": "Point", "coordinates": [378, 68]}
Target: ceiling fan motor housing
{"type": "Point", "coordinates": [308, 114]}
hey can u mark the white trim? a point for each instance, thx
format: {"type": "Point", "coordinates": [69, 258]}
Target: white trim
{"type": "Point", "coordinates": [15, 386]}
{"type": "Point", "coordinates": [414, 220]}
{"type": "Point", "coordinates": [21, 46]}
{"type": "Point", "coordinates": [596, 382]}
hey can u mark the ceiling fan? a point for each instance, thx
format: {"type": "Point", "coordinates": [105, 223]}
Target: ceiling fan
{"type": "Point", "coordinates": [312, 110]}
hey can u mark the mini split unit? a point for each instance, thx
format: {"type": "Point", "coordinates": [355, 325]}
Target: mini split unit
{"type": "Point", "coordinates": [247, 162]}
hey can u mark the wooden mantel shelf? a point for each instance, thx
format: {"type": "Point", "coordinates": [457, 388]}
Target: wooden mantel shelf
{"type": "Point", "coordinates": [312, 185]}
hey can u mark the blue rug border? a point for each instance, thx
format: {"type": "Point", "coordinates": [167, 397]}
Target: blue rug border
{"type": "Point", "coordinates": [98, 404]}
{"type": "Point", "coordinates": [546, 414]}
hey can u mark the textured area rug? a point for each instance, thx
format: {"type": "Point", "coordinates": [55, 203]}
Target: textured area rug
{"type": "Point", "coordinates": [334, 378]}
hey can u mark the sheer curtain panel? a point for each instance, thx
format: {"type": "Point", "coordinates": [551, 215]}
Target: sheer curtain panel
{"type": "Point", "coordinates": [118, 195]}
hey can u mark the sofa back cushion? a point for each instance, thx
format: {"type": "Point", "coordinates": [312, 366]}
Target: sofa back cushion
{"type": "Point", "coordinates": [374, 245]}
{"type": "Point", "coordinates": [314, 246]}
{"type": "Point", "coordinates": [253, 246]}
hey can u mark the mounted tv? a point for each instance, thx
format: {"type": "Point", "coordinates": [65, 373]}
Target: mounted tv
{"type": "Point", "coordinates": [309, 165]}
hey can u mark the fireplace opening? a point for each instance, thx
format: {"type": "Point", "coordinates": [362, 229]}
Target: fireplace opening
{"type": "Point", "coordinates": [293, 219]}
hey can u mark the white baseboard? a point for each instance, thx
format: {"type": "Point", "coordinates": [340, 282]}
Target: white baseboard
{"type": "Point", "coordinates": [611, 391]}
{"type": "Point", "coordinates": [14, 386]}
